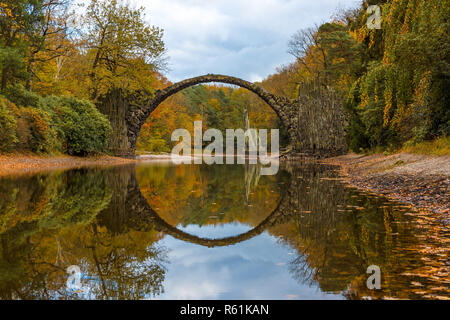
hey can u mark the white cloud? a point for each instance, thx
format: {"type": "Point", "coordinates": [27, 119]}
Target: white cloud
{"type": "Point", "coordinates": [244, 38]}
{"type": "Point", "coordinates": [253, 269]}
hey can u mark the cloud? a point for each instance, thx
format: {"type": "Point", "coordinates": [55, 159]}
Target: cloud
{"type": "Point", "coordinates": [253, 269]}
{"type": "Point", "coordinates": [241, 38]}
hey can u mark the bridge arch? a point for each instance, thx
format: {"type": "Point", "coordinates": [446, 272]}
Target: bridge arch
{"type": "Point", "coordinates": [141, 108]}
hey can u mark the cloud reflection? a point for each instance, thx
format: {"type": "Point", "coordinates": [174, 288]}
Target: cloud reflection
{"type": "Point", "coordinates": [248, 270]}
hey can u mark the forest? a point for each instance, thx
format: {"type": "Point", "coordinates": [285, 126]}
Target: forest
{"type": "Point", "coordinates": [57, 61]}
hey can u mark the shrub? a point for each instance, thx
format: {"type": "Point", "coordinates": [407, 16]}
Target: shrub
{"type": "Point", "coordinates": [82, 127]}
{"type": "Point", "coordinates": [51, 124]}
{"type": "Point", "coordinates": [24, 98]}
{"type": "Point", "coordinates": [42, 134]}
{"type": "Point", "coordinates": [34, 126]}
{"type": "Point", "coordinates": [8, 138]}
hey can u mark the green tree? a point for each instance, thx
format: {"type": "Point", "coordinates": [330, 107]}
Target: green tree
{"type": "Point", "coordinates": [18, 21]}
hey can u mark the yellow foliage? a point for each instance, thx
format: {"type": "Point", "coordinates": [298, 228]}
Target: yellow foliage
{"type": "Point", "coordinates": [437, 147]}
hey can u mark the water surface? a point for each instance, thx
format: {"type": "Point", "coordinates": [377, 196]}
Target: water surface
{"type": "Point", "coordinates": [160, 231]}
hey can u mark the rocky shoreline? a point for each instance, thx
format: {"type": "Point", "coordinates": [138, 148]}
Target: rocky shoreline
{"type": "Point", "coordinates": [421, 181]}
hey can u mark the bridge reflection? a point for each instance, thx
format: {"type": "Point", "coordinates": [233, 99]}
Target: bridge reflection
{"type": "Point", "coordinates": [138, 215]}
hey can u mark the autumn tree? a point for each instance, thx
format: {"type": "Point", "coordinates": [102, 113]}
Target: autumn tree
{"type": "Point", "coordinates": [25, 28]}
{"type": "Point", "coordinates": [49, 39]}
{"type": "Point", "coordinates": [327, 54]}
{"type": "Point", "coordinates": [123, 49]}
{"type": "Point", "coordinates": [305, 46]}
{"type": "Point", "coordinates": [403, 97]}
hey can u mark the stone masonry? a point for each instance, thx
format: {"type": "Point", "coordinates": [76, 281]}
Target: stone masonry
{"type": "Point", "coordinates": [128, 112]}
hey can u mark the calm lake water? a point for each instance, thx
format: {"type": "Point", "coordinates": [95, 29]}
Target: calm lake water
{"type": "Point", "coordinates": [160, 231]}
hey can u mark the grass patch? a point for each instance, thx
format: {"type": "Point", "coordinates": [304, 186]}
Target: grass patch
{"type": "Point", "coordinates": [437, 147]}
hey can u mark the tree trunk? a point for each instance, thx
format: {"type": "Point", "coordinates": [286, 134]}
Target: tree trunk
{"type": "Point", "coordinates": [30, 75]}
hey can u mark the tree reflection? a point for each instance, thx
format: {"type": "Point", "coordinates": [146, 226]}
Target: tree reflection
{"type": "Point", "coordinates": [210, 195]}
{"type": "Point", "coordinates": [338, 232]}
{"type": "Point", "coordinates": [50, 222]}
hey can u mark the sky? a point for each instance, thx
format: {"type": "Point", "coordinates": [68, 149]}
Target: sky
{"type": "Point", "coordinates": [254, 269]}
{"type": "Point", "coordinates": [242, 38]}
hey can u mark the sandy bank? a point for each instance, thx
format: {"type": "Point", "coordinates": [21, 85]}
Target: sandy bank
{"type": "Point", "coordinates": [27, 164]}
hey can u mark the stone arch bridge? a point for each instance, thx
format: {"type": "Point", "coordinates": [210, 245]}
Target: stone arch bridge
{"type": "Point", "coordinates": [129, 111]}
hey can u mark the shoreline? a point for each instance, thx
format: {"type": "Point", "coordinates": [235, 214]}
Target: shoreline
{"type": "Point", "coordinates": [421, 181]}
{"type": "Point", "coordinates": [25, 164]}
